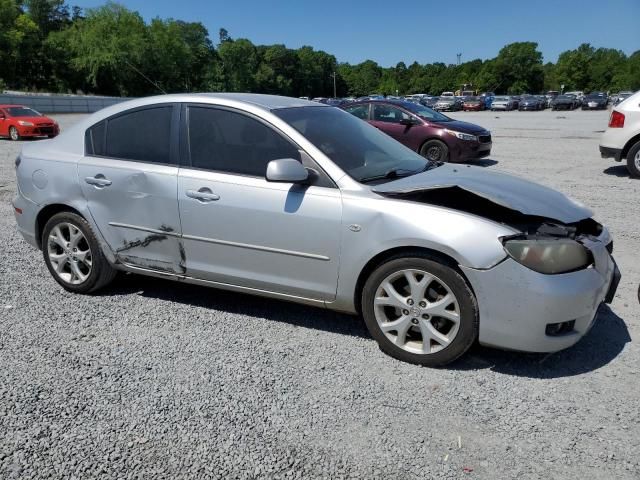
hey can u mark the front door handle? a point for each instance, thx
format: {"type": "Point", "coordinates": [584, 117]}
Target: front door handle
{"type": "Point", "coordinates": [203, 195]}
{"type": "Point", "coordinates": [99, 181]}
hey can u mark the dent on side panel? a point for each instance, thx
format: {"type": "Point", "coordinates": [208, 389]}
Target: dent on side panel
{"type": "Point", "coordinates": [138, 215]}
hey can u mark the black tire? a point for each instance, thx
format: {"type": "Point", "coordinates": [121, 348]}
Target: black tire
{"type": "Point", "coordinates": [633, 164]}
{"type": "Point", "coordinates": [468, 311]}
{"type": "Point", "coordinates": [101, 272]}
{"type": "Point", "coordinates": [435, 150]}
{"type": "Point", "coordinates": [14, 134]}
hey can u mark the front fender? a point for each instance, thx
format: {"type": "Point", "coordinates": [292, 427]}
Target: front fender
{"type": "Point", "coordinates": [374, 226]}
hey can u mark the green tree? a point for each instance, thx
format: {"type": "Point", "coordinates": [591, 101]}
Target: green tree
{"type": "Point", "coordinates": [108, 48]}
{"type": "Point", "coordinates": [518, 68]}
{"type": "Point", "coordinates": [239, 59]}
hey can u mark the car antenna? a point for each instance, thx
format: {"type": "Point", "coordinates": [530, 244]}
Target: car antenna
{"type": "Point", "coordinates": [146, 78]}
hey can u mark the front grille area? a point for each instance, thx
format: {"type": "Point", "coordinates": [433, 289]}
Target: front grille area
{"type": "Point", "coordinates": [484, 138]}
{"type": "Point", "coordinates": [45, 130]}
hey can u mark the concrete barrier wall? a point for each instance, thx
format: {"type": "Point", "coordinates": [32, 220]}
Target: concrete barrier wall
{"type": "Point", "coordinates": [61, 103]}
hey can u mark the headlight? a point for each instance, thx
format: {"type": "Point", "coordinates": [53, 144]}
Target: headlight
{"type": "Point", "coordinates": [462, 136]}
{"type": "Point", "coordinates": [548, 255]}
{"type": "Point", "coordinates": [25, 124]}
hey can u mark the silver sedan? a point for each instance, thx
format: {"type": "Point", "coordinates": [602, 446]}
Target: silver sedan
{"type": "Point", "coordinates": [300, 201]}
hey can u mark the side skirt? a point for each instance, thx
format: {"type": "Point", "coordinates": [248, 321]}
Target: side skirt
{"type": "Point", "coordinates": [223, 286]}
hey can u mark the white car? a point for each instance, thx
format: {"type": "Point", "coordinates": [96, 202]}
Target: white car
{"type": "Point", "coordinates": [621, 140]}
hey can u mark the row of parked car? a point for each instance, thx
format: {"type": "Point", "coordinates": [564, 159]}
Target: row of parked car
{"type": "Point", "coordinates": [448, 102]}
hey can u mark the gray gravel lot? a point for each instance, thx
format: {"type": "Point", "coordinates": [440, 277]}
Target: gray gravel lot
{"type": "Point", "coordinates": [152, 379]}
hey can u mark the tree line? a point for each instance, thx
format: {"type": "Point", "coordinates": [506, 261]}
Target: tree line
{"type": "Point", "coordinates": [47, 45]}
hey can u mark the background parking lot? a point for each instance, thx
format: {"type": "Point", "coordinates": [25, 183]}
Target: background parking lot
{"type": "Point", "coordinates": [155, 379]}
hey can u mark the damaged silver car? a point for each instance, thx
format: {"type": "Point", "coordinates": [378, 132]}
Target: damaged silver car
{"type": "Point", "coordinates": [301, 201]}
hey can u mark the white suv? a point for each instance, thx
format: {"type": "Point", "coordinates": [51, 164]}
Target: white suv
{"type": "Point", "coordinates": [621, 140]}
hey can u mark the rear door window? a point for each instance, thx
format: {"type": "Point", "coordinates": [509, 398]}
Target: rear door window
{"type": "Point", "coordinates": [142, 135]}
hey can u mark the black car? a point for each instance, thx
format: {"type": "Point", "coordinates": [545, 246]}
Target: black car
{"type": "Point", "coordinates": [595, 101]}
{"type": "Point", "coordinates": [529, 102]}
{"type": "Point", "coordinates": [564, 102]}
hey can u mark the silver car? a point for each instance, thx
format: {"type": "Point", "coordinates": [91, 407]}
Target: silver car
{"type": "Point", "coordinates": [503, 103]}
{"type": "Point", "coordinates": [300, 201]}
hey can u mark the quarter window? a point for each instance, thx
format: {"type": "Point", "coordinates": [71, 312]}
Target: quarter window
{"type": "Point", "coordinates": [231, 142]}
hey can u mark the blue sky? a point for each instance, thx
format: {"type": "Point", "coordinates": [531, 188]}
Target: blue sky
{"type": "Point", "coordinates": [424, 31]}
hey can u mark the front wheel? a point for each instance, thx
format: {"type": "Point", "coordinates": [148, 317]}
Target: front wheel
{"type": "Point", "coordinates": [420, 311]}
{"type": "Point", "coordinates": [14, 134]}
{"type": "Point", "coordinates": [633, 160]}
{"type": "Point", "coordinates": [435, 151]}
{"type": "Point", "coordinates": [73, 255]}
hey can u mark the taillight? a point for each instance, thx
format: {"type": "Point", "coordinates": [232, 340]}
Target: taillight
{"type": "Point", "coordinates": [616, 120]}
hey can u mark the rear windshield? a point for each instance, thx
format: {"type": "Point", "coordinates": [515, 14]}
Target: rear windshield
{"type": "Point", "coordinates": [23, 112]}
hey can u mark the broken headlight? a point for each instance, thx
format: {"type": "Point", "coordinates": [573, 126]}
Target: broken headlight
{"type": "Point", "coordinates": [548, 255]}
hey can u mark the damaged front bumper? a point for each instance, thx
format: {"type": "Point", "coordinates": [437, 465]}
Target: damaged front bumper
{"type": "Point", "coordinates": [517, 304]}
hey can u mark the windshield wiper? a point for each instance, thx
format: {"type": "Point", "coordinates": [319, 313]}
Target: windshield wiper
{"type": "Point", "coordinates": [399, 172]}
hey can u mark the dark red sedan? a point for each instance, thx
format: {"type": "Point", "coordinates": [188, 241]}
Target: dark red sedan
{"type": "Point", "coordinates": [432, 134]}
{"type": "Point", "coordinates": [18, 121]}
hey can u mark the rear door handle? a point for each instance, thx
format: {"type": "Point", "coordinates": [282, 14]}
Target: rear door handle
{"type": "Point", "coordinates": [99, 181]}
{"type": "Point", "coordinates": [203, 195]}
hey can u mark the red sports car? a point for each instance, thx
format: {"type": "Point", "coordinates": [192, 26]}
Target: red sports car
{"type": "Point", "coordinates": [18, 121]}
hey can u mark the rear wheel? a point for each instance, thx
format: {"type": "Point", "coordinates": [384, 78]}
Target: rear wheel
{"type": "Point", "coordinates": [73, 255]}
{"type": "Point", "coordinates": [14, 134]}
{"type": "Point", "coordinates": [633, 160]}
{"type": "Point", "coordinates": [420, 310]}
{"type": "Point", "coordinates": [435, 150]}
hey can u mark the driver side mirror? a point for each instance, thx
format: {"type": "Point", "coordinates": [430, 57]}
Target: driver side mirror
{"type": "Point", "coordinates": [286, 170]}
{"type": "Point", "coordinates": [409, 122]}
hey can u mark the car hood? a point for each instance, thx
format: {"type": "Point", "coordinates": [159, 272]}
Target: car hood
{"type": "Point", "coordinates": [511, 192]}
{"type": "Point", "coordinates": [464, 127]}
{"type": "Point", "coordinates": [34, 120]}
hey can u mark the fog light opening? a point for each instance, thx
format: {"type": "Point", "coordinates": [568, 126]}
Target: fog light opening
{"type": "Point", "coordinates": [562, 328]}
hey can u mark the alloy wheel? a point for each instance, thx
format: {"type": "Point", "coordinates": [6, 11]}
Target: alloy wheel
{"type": "Point", "coordinates": [636, 160]}
{"type": "Point", "coordinates": [69, 253]}
{"type": "Point", "coordinates": [433, 153]}
{"type": "Point", "coordinates": [417, 311]}
{"type": "Point", "coordinates": [13, 133]}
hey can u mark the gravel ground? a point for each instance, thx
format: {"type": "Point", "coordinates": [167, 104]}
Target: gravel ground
{"type": "Point", "coordinates": [152, 379]}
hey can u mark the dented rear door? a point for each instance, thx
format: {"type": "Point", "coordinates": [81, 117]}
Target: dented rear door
{"type": "Point", "coordinates": [133, 200]}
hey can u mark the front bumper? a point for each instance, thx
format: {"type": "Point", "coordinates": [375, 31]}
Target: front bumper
{"type": "Point", "coordinates": [516, 303]}
{"type": "Point", "coordinates": [39, 131]}
{"type": "Point", "coordinates": [608, 152]}
{"type": "Point", "coordinates": [463, 151]}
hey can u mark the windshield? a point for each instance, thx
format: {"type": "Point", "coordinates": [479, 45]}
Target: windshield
{"type": "Point", "coordinates": [424, 112]}
{"type": "Point", "coordinates": [501, 99]}
{"type": "Point", "coordinates": [565, 97]}
{"type": "Point", "coordinates": [595, 96]}
{"type": "Point", "coordinates": [355, 146]}
{"type": "Point", "coordinates": [23, 112]}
